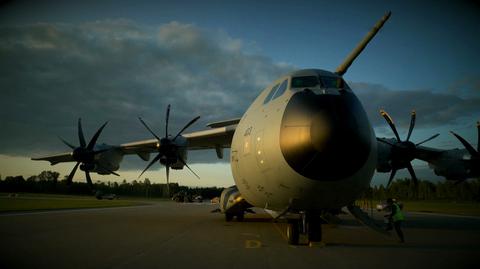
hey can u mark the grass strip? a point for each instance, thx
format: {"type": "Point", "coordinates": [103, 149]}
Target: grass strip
{"type": "Point", "coordinates": [12, 204]}
{"type": "Point", "coordinates": [440, 206]}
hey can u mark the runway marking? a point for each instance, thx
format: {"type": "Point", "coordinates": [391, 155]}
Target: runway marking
{"type": "Point", "coordinates": [252, 243]}
{"type": "Point", "coordinates": [251, 234]}
{"type": "Point", "coordinates": [69, 210]}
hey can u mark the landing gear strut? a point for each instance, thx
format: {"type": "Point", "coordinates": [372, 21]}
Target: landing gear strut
{"type": "Point", "coordinates": [314, 229]}
{"type": "Point", "coordinates": [308, 224]}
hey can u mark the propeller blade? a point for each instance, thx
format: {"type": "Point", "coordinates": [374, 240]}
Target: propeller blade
{"type": "Point", "coordinates": [166, 121]}
{"type": "Point", "coordinates": [81, 137]}
{"type": "Point", "coordinates": [66, 143]}
{"type": "Point", "coordinates": [428, 139]}
{"type": "Point", "coordinates": [150, 164]}
{"type": "Point", "coordinates": [412, 173]}
{"type": "Point", "coordinates": [186, 126]}
{"type": "Point", "coordinates": [392, 175]}
{"type": "Point", "coordinates": [467, 145]}
{"type": "Point", "coordinates": [92, 142]}
{"type": "Point", "coordinates": [146, 126]}
{"type": "Point", "coordinates": [478, 136]}
{"type": "Point", "coordinates": [72, 173]}
{"type": "Point", "coordinates": [385, 141]}
{"type": "Point", "coordinates": [412, 124]}
{"type": "Point", "coordinates": [89, 179]}
{"type": "Point", "coordinates": [184, 163]}
{"type": "Point", "coordinates": [168, 180]}
{"type": "Point", "coordinates": [390, 122]}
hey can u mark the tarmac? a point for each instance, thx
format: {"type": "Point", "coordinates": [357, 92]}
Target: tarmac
{"type": "Point", "coordinates": [173, 235]}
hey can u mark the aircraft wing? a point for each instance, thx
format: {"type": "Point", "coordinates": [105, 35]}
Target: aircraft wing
{"type": "Point", "coordinates": [57, 158]}
{"type": "Point", "coordinates": [428, 154]}
{"type": "Point", "coordinates": [385, 154]}
{"type": "Point", "coordinates": [218, 137]}
{"type": "Point", "coordinates": [215, 138]}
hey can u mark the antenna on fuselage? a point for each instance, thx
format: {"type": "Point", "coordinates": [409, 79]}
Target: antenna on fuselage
{"type": "Point", "coordinates": [342, 69]}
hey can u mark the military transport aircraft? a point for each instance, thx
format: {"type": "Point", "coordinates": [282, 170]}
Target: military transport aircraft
{"type": "Point", "coordinates": [303, 150]}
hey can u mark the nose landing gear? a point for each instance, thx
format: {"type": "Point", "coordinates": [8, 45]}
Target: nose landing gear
{"type": "Point", "coordinates": [293, 230]}
{"type": "Point", "coordinates": [309, 225]}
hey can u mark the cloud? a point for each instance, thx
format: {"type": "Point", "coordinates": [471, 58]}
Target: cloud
{"type": "Point", "coordinates": [117, 70]}
{"type": "Point", "coordinates": [433, 108]}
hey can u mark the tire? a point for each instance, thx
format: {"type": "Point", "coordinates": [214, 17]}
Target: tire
{"type": "Point", "coordinates": [292, 232]}
{"type": "Point", "coordinates": [228, 217]}
{"type": "Point", "coordinates": [314, 231]}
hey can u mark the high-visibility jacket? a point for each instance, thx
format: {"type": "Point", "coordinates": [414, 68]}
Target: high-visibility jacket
{"type": "Point", "coordinates": [397, 216]}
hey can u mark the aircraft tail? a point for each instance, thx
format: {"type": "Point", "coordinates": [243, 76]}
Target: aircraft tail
{"type": "Point", "coordinates": [342, 69]}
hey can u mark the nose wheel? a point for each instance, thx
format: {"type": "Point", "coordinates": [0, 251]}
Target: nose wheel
{"type": "Point", "coordinates": [314, 230]}
{"type": "Point", "coordinates": [309, 225]}
{"type": "Point", "coordinates": [240, 216]}
{"type": "Point", "coordinates": [293, 232]}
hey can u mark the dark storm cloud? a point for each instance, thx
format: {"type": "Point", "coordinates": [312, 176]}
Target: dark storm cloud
{"type": "Point", "coordinates": [433, 109]}
{"type": "Point", "coordinates": [51, 74]}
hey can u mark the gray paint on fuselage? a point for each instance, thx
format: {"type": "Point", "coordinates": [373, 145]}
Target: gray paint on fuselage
{"type": "Point", "coordinates": [263, 176]}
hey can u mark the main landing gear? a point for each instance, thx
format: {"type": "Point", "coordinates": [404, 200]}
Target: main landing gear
{"type": "Point", "coordinates": [240, 216]}
{"type": "Point", "coordinates": [309, 225]}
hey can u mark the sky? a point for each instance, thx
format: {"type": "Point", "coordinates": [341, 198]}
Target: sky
{"type": "Point", "coordinates": [117, 60]}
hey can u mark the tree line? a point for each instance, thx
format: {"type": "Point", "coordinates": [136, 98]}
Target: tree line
{"type": "Point", "coordinates": [48, 182]}
{"type": "Point", "coordinates": [405, 189]}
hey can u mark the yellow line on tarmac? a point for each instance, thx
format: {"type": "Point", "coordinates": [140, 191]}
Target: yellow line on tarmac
{"type": "Point", "coordinates": [252, 243]}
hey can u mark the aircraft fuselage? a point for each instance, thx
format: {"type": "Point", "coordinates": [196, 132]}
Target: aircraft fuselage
{"type": "Point", "coordinates": [309, 146]}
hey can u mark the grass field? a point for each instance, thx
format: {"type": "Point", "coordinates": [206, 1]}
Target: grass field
{"type": "Point", "coordinates": [30, 202]}
{"type": "Point", "coordinates": [36, 201]}
{"type": "Point", "coordinates": [443, 207]}
{"type": "Point", "coordinates": [446, 207]}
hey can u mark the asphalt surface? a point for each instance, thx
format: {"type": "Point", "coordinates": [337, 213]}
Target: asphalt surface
{"type": "Point", "coordinates": [171, 235]}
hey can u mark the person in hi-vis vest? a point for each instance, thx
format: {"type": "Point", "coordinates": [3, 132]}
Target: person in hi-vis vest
{"type": "Point", "coordinates": [396, 218]}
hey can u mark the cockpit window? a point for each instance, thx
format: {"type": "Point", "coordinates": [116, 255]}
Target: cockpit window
{"type": "Point", "coordinates": [269, 96]}
{"type": "Point", "coordinates": [304, 82]}
{"type": "Point", "coordinates": [333, 82]}
{"type": "Point", "coordinates": [276, 91]}
{"type": "Point", "coordinates": [281, 89]}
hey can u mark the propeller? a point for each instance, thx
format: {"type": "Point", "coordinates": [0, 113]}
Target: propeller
{"type": "Point", "coordinates": [475, 154]}
{"type": "Point", "coordinates": [403, 152]}
{"type": "Point", "coordinates": [168, 150]}
{"type": "Point", "coordinates": [84, 154]}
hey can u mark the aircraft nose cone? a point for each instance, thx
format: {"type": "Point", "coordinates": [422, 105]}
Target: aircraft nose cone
{"type": "Point", "coordinates": [325, 137]}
